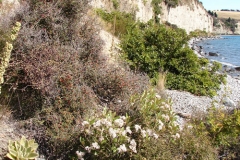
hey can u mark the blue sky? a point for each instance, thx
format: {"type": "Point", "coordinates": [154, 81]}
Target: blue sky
{"type": "Point", "coordinates": [221, 4]}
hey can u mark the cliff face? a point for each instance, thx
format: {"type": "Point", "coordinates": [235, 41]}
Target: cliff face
{"type": "Point", "coordinates": [189, 15]}
{"type": "Point", "coordinates": [222, 29]}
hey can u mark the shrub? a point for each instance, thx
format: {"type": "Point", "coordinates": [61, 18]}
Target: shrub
{"type": "Point", "coordinates": [110, 136]}
{"type": "Point", "coordinates": [150, 48]}
{"type": "Point", "coordinates": [56, 75]}
{"type": "Point", "coordinates": [198, 33]}
{"type": "Point", "coordinates": [223, 127]}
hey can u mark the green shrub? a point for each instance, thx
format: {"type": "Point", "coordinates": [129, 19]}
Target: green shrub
{"type": "Point", "coordinates": [110, 136]}
{"type": "Point", "coordinates": [198, 33]}
{"type": "Point", "coordinates": [150, 48]}
{"type": "Point", "coordinates": [123, 21]}
{"type": "Point", "coordinates": [22, 150]}
{"type": "Point", "coordinates": [223, 128]}
{"type": "Point", "coordinates": [115, 4]}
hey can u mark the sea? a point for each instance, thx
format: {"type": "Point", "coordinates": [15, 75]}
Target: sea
{"type": "Point", "coordinates": [226, 46]}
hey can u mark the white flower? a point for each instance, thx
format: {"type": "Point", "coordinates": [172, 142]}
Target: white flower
{"type": "Point", "coordinates": [128, 130]}
{"type": "Point", "coordinates": [190, 126]}
{"type": "Point", "coordinates": [155, 136]}
{"type": "Point", "coordinates": [124, 132]}
{"type": "Point", "coordinates": [112, 132]}
{"type": "Point", "coordinates": [97, 124]}
{"type": "Point", "coordinates": [149, 132]}
{"type": "Point", "coordinates": [119, 122]}
{"type": "Point", "coordinates": [95, 145]}
{"type": "Point", "coordinates": [88, 149]}
{"type": "Point", "coordinates": [167, 106]}
{"type": "Point", "coordinates": [101, 139]}
{"type": "Point", "coordinates": [122, 148]}
{"type": "Point", "coordinates": [160, 125]}
{"type": "Point", "coordinates": [166, 117]}
{"type": "Point", "coordinates": [123, 118]}
{"type": "Point", "coordinates": [80, 155]}
{"type": "Point", "coordinates": [84, 123]}
{"type": "Point", "coordinates": [143, 132]}
{"type": "Point", "coordinates": [175, 124]}
{"type": "Point", "coordinates": [137, 127]}
{"type": "Point", "coordinates": [88, 132]}
{"type": "Point", "coordinates": [158, 96]}
{"type": "Point", "coordinates": [176, 136]}
{"type": "Point", "coordinates": [133, 145]}
{"type": "Point", "coordinates": [106, 122]}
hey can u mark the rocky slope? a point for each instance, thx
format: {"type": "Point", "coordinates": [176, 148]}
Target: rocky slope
{"type": "Point", "coordinates": [189, 15]}
{"type": "Point", "coordinates": [222, 29]}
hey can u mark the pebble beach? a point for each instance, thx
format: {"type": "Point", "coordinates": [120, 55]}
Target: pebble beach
{"type": "Point", "coordinates": [185, 103]}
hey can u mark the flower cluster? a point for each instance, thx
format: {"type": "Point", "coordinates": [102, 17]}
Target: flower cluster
{"type": "Point", "coordinates": [110, 136]}
{"type": "Point", "coordinates": [113, 134]}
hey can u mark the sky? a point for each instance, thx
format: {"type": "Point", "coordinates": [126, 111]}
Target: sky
{"type": "Point", "coordinates": [221, 4]}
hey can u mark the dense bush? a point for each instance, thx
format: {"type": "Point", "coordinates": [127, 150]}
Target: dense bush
{"type": "Point", "coordinates": [198, 33]}
{"type": "Point", "coordinates": [223, 128]}
{"type": "Point", "coordinates": [150, 48]}
{"type": "Point", "coordinates": [110, 136]}
{"type": "Point", "coordinates": [56, 75]}
{"type": "Point", "coordinates": [148, 131]}
{"type": "Point", "coordinates": [231, 24]}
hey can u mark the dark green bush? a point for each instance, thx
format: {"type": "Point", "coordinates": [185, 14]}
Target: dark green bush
{"type": "Point", "coordinates": [150, 48]}
{"type": "Point", "coordinates": [198, 33]}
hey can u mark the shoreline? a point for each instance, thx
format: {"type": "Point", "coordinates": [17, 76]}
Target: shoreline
{"type": "Point", "coordinates": [228, 68]}
{"type": "Point", "coordinates": [185, 104]}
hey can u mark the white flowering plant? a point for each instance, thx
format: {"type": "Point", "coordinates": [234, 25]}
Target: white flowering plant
{"type": "Point", "coordinates": [154, 111]}
{"type": "Point", "coordinates": [110, 136]}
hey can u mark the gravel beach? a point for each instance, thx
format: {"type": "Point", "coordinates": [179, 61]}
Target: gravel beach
{"type": "Point", "coordinates": [186, 103]}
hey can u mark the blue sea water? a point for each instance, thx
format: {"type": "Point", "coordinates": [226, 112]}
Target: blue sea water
{"type": "Point", "coordinates": [228, 48]}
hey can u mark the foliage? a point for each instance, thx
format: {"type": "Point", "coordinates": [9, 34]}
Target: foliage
{"type": "Point", "coordinates": [172, 3]}
{"type": "Point", "coordinates": [6, 48]}
{"type": "Point", "coordinates": [156, 9]}
{"type": "Point", "coordinates": [56, 75]}
{"type": "Point", "coordinates": [213, 14]}
{"type": "Point", "coordinates": [198, 33]}
{"type": "Point", "coordinates": [150, 48]}
{"type": "Point", "coordinates": [110, 136]}
{"type": "Point", "coordinates": [231, 24]}
{"type": "Point", "coordinates": [22, 150]}
{"type": "Point", "coordinates": [223, 127]}
{"type": "Point", "coordinates": [115, 4]}
{"type": "Point", "coordinates": [120, 20]}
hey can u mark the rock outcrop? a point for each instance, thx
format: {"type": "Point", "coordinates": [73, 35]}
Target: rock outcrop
{"type": "Point", "coordinates": [222, 29]}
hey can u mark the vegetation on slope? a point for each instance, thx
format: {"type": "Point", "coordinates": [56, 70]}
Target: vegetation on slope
{"type": "Point", "coordinates": [151, 48]}
{"type": "Point", "coordinates": [75, 105]}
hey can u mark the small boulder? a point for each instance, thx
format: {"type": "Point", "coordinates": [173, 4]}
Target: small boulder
{"type": "Point", "coordinates": [228, 102]}
{"type": "Point", "coordinates": [237, 68]}
{"type": "Point", "coordinates": [212, 54]}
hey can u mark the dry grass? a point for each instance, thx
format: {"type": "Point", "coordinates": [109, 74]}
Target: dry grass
{"type": "Point", "coordinates": [227, 14]}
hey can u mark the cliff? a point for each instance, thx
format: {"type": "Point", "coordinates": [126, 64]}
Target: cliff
{"type": "Point", "coordinates": [189, 14]}
{"type": "Point", "coordinates": [222, 29]}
